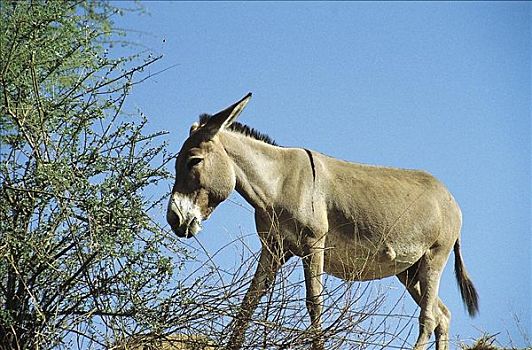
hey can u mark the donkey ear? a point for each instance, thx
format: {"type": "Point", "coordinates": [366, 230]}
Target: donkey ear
{"type": "Point", "coordinates": [223, 119]}
{"type": "Point", "coordinates": [193, 128]}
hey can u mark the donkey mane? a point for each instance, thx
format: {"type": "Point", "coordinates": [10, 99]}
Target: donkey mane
{"type": "Point", "coordinates": [242, 129]}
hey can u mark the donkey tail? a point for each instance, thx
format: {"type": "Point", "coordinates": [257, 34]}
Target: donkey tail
{"type": "Point", "coordinates": [468, 291]}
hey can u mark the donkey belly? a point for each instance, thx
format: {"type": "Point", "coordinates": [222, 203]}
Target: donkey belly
{"type": "Point", "coordinates": [360, 260]}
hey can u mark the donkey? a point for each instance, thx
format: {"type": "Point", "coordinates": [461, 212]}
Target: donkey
{"type": "Point", "coordinates": [353, 221]}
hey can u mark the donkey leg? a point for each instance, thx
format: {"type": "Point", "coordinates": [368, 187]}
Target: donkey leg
{"type": "Point", "coordinates": [429, 274]}
{"type": "Point", "coordinates": [313, 268]}
{"type": "Point", "coordinates": [442, 329]}
{"type": "Point", "coordinates": [409, 279]}
{"type": "Point", "coordinates": [270, 261]}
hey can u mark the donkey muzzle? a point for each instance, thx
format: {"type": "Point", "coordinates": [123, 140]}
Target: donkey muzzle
{"type": "Point", "coordinates": [183, 216]}
{"type": "Point", "coordinates": [188, 230]}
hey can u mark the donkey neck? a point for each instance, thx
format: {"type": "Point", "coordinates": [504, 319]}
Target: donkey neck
{"type": "Point", "coordinates": [258, 168]}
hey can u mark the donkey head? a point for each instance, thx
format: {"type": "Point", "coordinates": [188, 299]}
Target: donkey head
{"type": "Point", "coordinates": [204, 173]}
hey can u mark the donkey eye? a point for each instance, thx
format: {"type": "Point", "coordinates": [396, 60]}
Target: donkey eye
{"type": "Point", "coordinates": [192, 162]}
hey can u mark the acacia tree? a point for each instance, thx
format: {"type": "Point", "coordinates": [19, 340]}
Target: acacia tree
{"type": "Point", "coordinates": [80, 257]}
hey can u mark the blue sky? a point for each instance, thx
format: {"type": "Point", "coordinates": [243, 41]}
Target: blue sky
{"type": "Point", "coordinates": [444, 87]}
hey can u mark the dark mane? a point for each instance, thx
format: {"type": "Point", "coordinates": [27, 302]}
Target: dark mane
{"type": "Point", "coordinates": [242, 129]}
